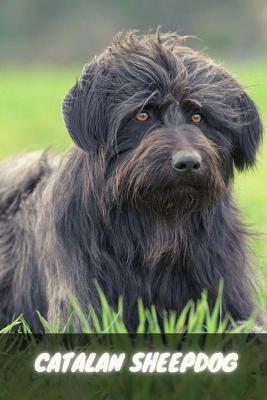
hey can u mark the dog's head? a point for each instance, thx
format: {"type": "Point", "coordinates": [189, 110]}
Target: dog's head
{"type": "Point", "coordinates": [169, 123]}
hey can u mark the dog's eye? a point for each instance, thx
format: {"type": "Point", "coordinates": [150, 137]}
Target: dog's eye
{"type": "Point", "coordinates": [142, 116]}
{"type": "Point", "coordinates": [196, 118]}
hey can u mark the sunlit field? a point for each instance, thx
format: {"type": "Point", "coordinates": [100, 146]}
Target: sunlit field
{"type": "Point", "coordinates": [30, 118]}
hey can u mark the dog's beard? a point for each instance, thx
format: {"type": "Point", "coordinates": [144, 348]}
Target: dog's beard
{"type": "Point", "coordinates": [168, 196]}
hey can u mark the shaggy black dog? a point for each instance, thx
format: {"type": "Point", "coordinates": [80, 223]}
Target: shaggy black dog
{"type": "Point", "coordinates": [142, 203]}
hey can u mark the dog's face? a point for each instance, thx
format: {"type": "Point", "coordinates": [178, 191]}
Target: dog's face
{"type": "Point", "coordinates": [165, 124]}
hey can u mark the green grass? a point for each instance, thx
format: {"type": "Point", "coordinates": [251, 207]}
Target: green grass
{"type": "Point", "coordinates": [194, 318]}
{"type": "Point", "coordinates": [30, 118]}
{"type": "Point", "coordinates": [18, 352]}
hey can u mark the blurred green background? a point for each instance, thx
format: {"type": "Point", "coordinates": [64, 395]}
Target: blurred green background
{"type": "Point", "coordinates": [43, 45]}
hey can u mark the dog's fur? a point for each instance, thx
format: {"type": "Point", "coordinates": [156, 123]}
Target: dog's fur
{"type": "Point", "coordinates": [113, 208]}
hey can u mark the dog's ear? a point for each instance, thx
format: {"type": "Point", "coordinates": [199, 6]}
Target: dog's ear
{"type": "Point", "coordinates": [248, 134]}
{"type": "Point", "coordinates": [83, 108]}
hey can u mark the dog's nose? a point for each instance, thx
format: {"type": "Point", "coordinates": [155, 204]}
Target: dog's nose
{"type": "Point", "coordinates": [186, 162]}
